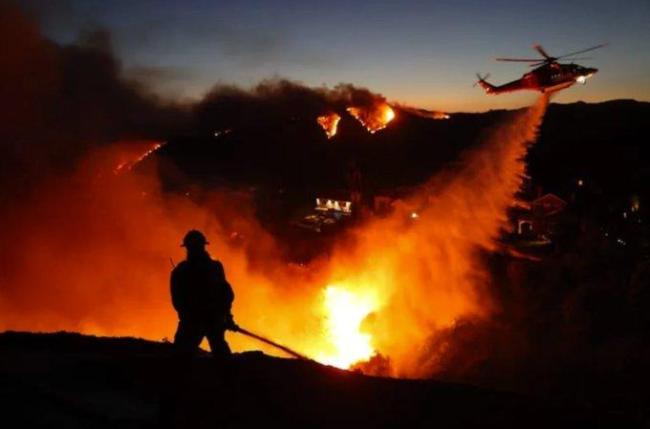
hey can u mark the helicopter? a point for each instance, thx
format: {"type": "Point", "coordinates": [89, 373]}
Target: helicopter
{"type": "Point", "coordinates": [548, 76]}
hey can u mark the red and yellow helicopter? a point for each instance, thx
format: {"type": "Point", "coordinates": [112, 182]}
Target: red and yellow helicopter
{"type": "Point", "coordinates": [549, 75]}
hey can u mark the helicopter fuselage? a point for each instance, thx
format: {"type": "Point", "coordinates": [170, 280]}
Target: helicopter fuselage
{"type": "Point", "coordinates": [545, 78]}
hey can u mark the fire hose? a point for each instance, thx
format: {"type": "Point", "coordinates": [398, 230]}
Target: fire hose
{"type": "Point", "coordinates": [239, 329]}
{"type": "Point", "coordinates": [285, 349]}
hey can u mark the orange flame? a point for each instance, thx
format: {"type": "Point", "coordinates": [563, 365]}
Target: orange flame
{"type": "Point", "coordinates": [345, 312]}
{"type": "Point", "coordinates": [329, 123]}
{"type": "Point", "coordinates": [373, 118]}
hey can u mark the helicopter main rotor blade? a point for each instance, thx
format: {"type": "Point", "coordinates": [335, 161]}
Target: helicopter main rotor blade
{"type": "Point", "coordinates": [519, 60]}
{"type": "Point", "coordinates": [541, 50]}
{"type": "Point", "coordinates": [565, 59]}
{"type": "Point", "coordinates": [583, 50]}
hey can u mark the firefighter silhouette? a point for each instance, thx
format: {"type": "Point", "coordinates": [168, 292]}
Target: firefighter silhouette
{"type": "Point", "coordinates": [202, 297]}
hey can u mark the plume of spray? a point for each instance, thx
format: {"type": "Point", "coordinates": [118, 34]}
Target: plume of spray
{"type": "Point", "coordinates": [425, 273]}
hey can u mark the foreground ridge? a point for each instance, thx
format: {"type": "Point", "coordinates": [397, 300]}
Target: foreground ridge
{"type": "Point", "coordinates": [72, 380]}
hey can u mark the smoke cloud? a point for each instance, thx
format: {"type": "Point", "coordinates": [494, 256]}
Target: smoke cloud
{"type": "Point", "coordinates": [62, 101]}
{"type": "Point", "coordinates": [277, 99]}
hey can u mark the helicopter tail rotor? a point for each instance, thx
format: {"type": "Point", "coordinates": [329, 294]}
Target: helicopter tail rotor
{"type": "Point", "coordinates": [483, 83]}
{"type": "Point", "coordinates": [481, 79]}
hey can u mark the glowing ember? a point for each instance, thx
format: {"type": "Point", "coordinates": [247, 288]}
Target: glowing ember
{"type": "Point", "coordinates": [133, 159]}
{"type": "Point", "coordinates": [373, 118]}
{"type": "Point", "coordinates": [329, 123]}
{"type": "Point", "coordinates": [345, 313]}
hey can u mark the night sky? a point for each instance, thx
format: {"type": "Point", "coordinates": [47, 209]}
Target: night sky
{"type": "Point", "coordinates": [421, 53]}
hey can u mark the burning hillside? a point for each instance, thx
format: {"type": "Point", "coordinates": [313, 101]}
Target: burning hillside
{"type": "Point", "coordinates": [227, 106]}
{"type": "Point", "coordinates": [329, 123]}
{"type": "Point", "coordinates": [342, 311]}
{"type": "Point", "coordinates": [100, 242]}
{"type": "Point", "coordinates": [136, 152]}
{"type": "Point", "coordinates": [375, 117]}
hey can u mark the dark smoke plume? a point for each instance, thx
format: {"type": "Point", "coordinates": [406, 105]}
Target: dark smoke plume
{"type": "Point", "coordinates": [276, 99]}
{"type": "Point", "coordinates": [61, 101]}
